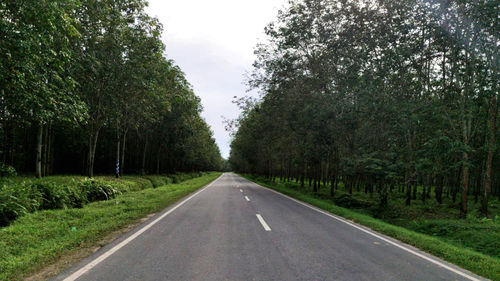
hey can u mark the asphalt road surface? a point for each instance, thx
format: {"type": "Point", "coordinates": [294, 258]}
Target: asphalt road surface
{"type": "Point", "coordinates": [234, 229]}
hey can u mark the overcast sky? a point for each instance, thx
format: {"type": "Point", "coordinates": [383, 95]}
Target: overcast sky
{"type": "Point", "coordinates": [213, 41]}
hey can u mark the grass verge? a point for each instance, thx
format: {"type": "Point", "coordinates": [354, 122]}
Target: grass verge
{"type": "Point", "coordinates": [39, 239]}
{"type": "Point", "coordinates": [478, 263]}
{"type": "Point", "coordinates": [22, 195]}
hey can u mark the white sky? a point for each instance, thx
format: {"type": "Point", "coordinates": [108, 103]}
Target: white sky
{"type": "Point", "coordinates": [213, 41]}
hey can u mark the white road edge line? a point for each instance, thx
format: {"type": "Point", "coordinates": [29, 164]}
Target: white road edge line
{"type": "Point", "coordinates": [463, 274]}
{"type": "Point", "coordinates": [246, 197]}
{"type": "Point", "coordinates": [263, 222]}
{"type": "Point", "coordinates": [111, 251]}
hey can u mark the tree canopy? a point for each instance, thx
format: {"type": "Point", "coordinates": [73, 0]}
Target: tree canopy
{"type": "Point", "coordinates": [377, 94]}
{"type": "Point", "coordinates": [86, 83]}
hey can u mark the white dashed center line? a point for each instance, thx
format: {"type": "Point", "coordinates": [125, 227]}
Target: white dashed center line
{"type": "Point", "coordinates": [263, 222]}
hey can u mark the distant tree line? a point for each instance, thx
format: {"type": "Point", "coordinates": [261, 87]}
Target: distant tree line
{"type": "Point", "coordinates": [380, 95]}
{"type": "Point", "coordinates": [85, 88]}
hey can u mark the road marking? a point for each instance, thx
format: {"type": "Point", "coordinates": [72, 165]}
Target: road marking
{"type": "Point", "coordinates": [241, 190]}
{"type": "Point", "coordinates": [263, 222]}
{"type": "Point", "coordinates": [246, 197]}
{"type": "Point", "coordinates": [436, 262]}
{"type": "Point", "coordinates": [111, 251]}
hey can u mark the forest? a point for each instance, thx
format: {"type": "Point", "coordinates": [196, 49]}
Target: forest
{"type": "Point", "coordinates": [394, 99]}
{"type": "Point", "coordinates": [86, 88]}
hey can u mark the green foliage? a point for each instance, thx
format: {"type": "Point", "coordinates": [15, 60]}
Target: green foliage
{"type": "Point", "coordinates": [98, 190]}
{"type": "Point", "coordinates": [351, 91]}
{"type": "Point", "coordinates": [53, 195]}
{"type": "Point", "coordinates": [21, 195]}
{"type": "Point", "coordinates": [7, 171]}
{"type": "Point", "coordinates": [17, 199]}
{"type": "Point", "coordinates": [36, 48]}
{"type": "Point", "coordinates": [71, 194]}
{"type": "Point", "coordinates": [85, 76]}
{"type": "Point", "coordinates": [349, 201]}
{"type": "Point", "coordinates": [477, 234]}
{"type": "Point", "coordinates": [75, 196]}
{"type": "Point", "coordinates": [180, 177]}
{"type": "Point", "coordinates": [175, 179]}
{"type": "Point", "coordinates": [158, 181]}
{"type": "Point", "coordinates": [131, 183]}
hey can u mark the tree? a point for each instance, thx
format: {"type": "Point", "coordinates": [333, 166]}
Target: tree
{"type": "Point", "coordinates": [378, 95]}
{"type": "Point", "coordinates": [78, 76]}
{"type": "Point", "coordinates": [35, 43]}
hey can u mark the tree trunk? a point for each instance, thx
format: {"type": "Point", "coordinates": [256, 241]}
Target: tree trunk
{"type": "Point", "coordinates": [332, 185]}
{"type": "Point", "coordinates": [415, 187]}
{"type": "Point", "coordinates": [466, 133]}
{"type": "Point", "coordinates": [476, 188]}
{"type": "Point", "coordinates": [92, 148]}
{"type": "Point", "coordinates": [351, 184]}
{"type": "Point", "coordinates": [384, 194]}
{"type": "Point", "coordinates": [465, 186]}
{"type": "Point", "coordinates": [438, 190]}
{"type": "Point", "coordinates": [90, 172]}
{"type": "Point", "coordinates": [408, 194]}
{"type": "Point", "coordinates": [158, 160]}
{"type": "Point", "coordinates": [325, 176]}
{"type": "Point", "coordinates": [38, 168]}
{"type": "Point", "coordinates": [123, 152]}
{"type": "Point", "coordinates": [44, 150]}
{"type": "Point", "coordinates": [281, 171]}
{"type": "Point", "coordinates": [143, 170]}
{"type": "Point", "coordinates": [117, 168]}
{"type": "Point", "coordinates": [429, 188]}
{"type": "Point", "coordinates": [491, 143]}
{"type": "Point", "coordinates": [48, 151]}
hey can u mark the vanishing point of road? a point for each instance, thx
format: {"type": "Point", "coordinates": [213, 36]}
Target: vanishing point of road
{"type": "Point", "coordinates": [234, 229]}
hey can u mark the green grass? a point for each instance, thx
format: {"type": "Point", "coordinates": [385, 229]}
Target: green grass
{"type": "Point", "coordinates": [456, 241]}
{"type": "Point", "coordinates": [22, 195]}
{"type": "Point", "coordinates": [36, 240]}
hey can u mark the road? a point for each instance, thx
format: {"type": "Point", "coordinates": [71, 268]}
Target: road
{"type": "Point", "coordinates": [234, 229]}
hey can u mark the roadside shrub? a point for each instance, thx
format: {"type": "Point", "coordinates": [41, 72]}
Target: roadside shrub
{"type": "Point", "coordinates": [17, 199]}
{"type": "Point", "coordinates": [348, 201]}
{"type": "Point", "coordinates": [386, 212]}
{"type": "Point", "coordinates": [7, 171]}
{"type": "Point", "coordinates": [53, 196]}
{"type": "Point", "coordinates": [59, 192]}
{"type": "Point", "coordinates": [76, 197]}
{"type": "Point", "coordinates": [156, 181]}
{"type": "Point", "coordinates": [142, 183]}
{"type": "Point", "coordinates": [167, 180]}
{"type": "Point", "coordinates": [97, 190]}
{"type": "Point", "coordinates": [131, 183]}
{"type": "Point", "coordinates": [175, 178]}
